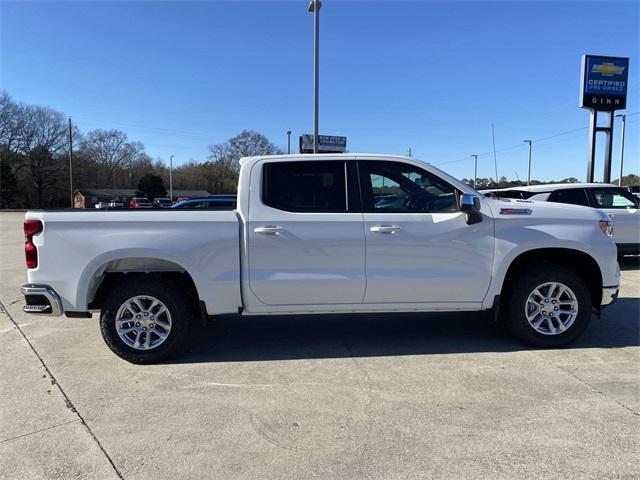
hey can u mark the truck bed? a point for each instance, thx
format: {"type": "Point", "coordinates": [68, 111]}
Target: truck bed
{"type": "Point", "coordinates": [86, 244]}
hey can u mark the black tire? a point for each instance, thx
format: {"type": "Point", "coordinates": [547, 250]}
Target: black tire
{"type": "Point", "coordinates": [515, 299]}
{"type": "Point", "coordinates": [176, 302]}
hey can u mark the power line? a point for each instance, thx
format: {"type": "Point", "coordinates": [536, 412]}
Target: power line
{"type": "Point", "coordinates": [518, 146]}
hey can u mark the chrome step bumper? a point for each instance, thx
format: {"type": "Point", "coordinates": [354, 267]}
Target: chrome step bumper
{"type": "Point", "coordinates": [41, 300]}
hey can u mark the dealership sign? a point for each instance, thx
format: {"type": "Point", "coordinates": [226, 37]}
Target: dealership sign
{"type": "Point", "coordinates": [326, 144]}
{"type": "Point", "coordinates": [603, 82]}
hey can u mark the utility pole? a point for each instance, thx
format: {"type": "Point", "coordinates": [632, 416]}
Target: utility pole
{"type": "Point", "coordinates": [314, 7]}
{"type": "Point", "coordinates": [529, 177]}
{"type": "Point", "coordinates": [475, 171]}
{"type": "Point", "coordinates": [495, 158]}
{"type": "Point", "coordinates": [624, 118]}
{"type": "Point", "coordinates": [71, 163]}
{"type": "Point", "coordinates": [288, 141]}
{"type": "Point", "coordinates": [409, 152]}
{"type": "Point", "coordinates": [171, 177]}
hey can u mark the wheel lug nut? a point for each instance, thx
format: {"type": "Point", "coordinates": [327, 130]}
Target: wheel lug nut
{"type": "Point", "coordinates": [137, 324]}
{"type": "Point", "coordinates": [144, 328]}
{"type": "Point", "coordinates": [152, 325]}
{"type": "Point", "coordinates": [145, 314]}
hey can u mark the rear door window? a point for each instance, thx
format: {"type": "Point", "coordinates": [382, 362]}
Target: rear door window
{"type": "Point", "coordinates": [306, 186]}
{"type": "Point", "coordinates": [575, 196]}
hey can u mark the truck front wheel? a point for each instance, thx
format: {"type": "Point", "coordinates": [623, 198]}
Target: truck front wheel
{"type": "Point", "coordinates": [547, 306]}
{"type": "Point", "coordinates": [145, 320]}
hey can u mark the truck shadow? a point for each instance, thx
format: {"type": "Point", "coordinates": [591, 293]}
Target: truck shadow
{"type": "Point", "coordinates": [263, 338]}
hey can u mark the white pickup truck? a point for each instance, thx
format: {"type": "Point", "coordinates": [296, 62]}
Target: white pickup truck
{"type": "Point", "coordinates": [324, 234]}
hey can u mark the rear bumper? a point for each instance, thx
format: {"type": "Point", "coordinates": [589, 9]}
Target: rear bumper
{"type": "Point", "coordinates": [41, 300]}
{"type": "Point", "coordinates": [609, 295]}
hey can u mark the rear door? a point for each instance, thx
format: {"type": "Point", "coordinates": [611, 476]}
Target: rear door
{"type": "Point", "coordinates": [420, 248]}
{"type": "Point", "coordinates": [305, 233]}
{"type": "Point", "coordinates": [622, 206]}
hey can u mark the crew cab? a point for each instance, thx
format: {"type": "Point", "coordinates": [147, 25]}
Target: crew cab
{"type": "Point", "coordinates": [324, 234]}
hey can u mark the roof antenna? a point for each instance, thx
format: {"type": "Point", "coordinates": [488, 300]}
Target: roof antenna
{"type": "Point", "coordinates": [519, 181]}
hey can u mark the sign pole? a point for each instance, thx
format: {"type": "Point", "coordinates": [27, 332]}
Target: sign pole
{"type": "Point", "coordinates": [606, 177]}
{"type": "Point", "coordinates": [603, 88]}
{"type": "Point", "coordinates": [624, 117]}
{"type": "Point", "coordinates": [593, 130]}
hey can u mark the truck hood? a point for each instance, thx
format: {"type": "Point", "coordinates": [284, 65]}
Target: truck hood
{"type": "Point", "coordinates": [504, 208]}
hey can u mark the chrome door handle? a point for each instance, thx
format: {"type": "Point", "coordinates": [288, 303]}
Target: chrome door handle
{"type": "Point", "coordinates": [385, 229]}
{"type": "Point", "coordinates": [269, 230]}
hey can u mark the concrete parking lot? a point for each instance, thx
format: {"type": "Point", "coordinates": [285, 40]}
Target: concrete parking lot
{"type": "Point", "coordinates": [366, 396]}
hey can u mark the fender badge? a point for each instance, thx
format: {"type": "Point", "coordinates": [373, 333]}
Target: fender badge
{"type": "Point", "coordinates": [515, 211]}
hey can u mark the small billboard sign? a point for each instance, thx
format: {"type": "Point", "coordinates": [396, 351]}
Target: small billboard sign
{"type": "Point", "coordinates": [326, 144]}
{"type": "Point", "coordinates": [603, 82]}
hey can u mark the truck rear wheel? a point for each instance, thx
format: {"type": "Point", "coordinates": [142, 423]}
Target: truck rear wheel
{"type": "Point", "coordinates": [145, 320]}
{"type": "Point", "coordinates": [547, 306]}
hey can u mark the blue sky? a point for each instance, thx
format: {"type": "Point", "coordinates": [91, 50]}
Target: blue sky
{"type": "Point", "coordinates": [432, 76]}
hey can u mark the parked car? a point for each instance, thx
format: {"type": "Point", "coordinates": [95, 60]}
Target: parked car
{"type": "Point", "coordinates": [621, 206]}
{"type": "Point", "coordinates": [116, 204]}
{"type": "Point", "coordinates": [213, 202]}
{"type": "Point", "coordinates": [102, 205]}
{"type": "Point", "coordinates": [140, 202]}
{"type": "Point", "coordinates": [162, 202]}
{"type": "Point", "coordinates": [308, 237]}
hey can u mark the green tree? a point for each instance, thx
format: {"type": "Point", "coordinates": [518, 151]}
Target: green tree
{"type": "Point", "coordinates": [151, 186]}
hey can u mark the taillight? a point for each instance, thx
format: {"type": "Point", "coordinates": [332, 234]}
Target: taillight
{"type": "Point", "coordinates": [31, 228]}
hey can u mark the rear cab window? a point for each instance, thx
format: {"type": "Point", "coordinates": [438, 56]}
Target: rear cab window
{"type": "Point", "coordinates": [325, 186]}
{"type": "Point", "coordinates": [574, 196]}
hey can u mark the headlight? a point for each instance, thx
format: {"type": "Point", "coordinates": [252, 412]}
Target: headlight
{"type": "Point", "coordinates": [606, 226]}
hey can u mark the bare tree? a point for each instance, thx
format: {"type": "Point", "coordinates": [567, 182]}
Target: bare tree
{"type": "Point", "coordinates": [111, 150]}
{"type": "Point", "coordinates": [247, 143]}
{"type": "Point", "coordinates": [11, 117]}
{"type": "Point", "coordinates": [41, 142]}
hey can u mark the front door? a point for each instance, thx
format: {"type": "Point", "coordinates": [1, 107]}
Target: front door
{"type": "Point", "coordinates": [305, 233]}
{"type": "Point", "coordinates": [420, 248]}
{"type": "Point", "coordinates": [622, 207]}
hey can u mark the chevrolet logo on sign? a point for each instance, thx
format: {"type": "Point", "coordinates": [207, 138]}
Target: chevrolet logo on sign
{"type": "Point", "coordinates": [603, 82]}
{"type": "Point", "coordinates": [607, 69]}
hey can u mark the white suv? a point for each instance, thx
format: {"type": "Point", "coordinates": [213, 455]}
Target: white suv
{"type": "Point", "coordinates": [618, 202]}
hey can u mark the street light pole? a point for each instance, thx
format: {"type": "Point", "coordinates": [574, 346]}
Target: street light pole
{"type": "Point", "coordinates": [71, 163]}
{"type": "Point", "coordinates": [171, 177]}
{"type": "Point", "coordinates": [314, 7]}
{"type": "Point", "coordinates": [624, 118]}
{"type": "Point", "coordinates": [529, 176]}
{"type": "Point", "coordinates": [475, 171]}
{"type": "Point", "coordinates": [288, 141]}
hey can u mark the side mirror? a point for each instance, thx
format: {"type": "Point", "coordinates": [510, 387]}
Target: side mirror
{"type": "Point", "coordinates": [469, 203]}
